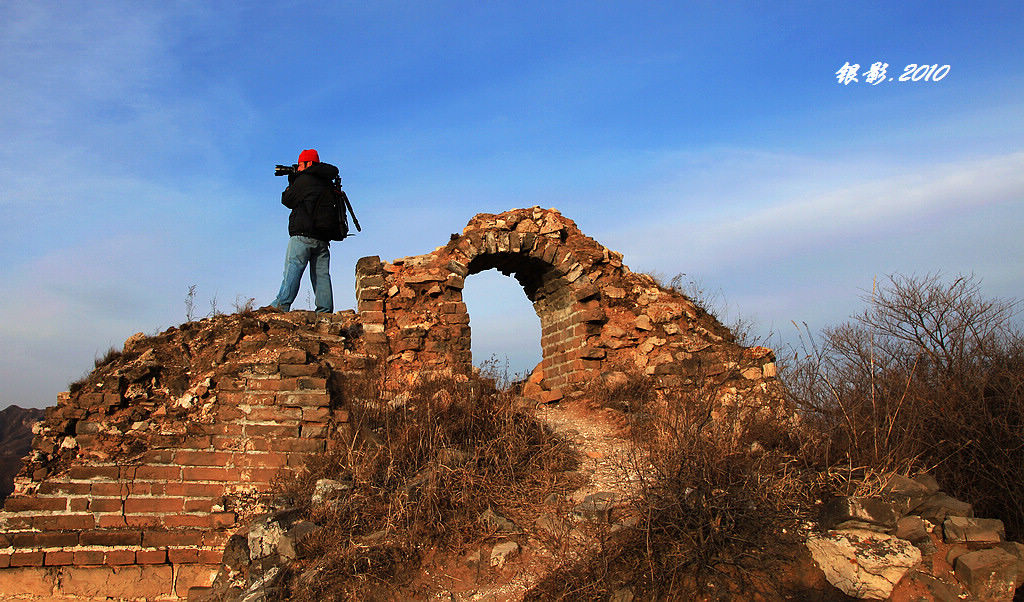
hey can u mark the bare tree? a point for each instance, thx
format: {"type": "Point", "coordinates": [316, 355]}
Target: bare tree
{"type": "Point", "coordinates": [930, 376]}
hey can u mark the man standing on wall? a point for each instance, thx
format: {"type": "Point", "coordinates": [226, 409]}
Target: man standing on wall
{"type": "Point", "coordinates": [310, 181]}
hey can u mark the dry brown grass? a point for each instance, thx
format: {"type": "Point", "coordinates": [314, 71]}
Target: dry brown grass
{"type": "Point", "coordinates": [421, 472]}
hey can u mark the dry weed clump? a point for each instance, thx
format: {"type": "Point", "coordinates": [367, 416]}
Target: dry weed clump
{"type": "Point", "coordinates": [625, 389]}
{"type": "Point", "coordinates": [929, 377]}
{"type": "Point", "coordinates": [421, 469]}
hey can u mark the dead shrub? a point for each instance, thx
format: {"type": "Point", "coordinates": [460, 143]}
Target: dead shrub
{"type": "Point", "coordinates": [422, 467]}
{"type": "Point", "coordinates": [929, 377]}
{"type": "Point", "coordinates": [111, 355]}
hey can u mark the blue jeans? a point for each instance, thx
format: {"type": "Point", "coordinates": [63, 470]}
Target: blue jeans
{"type": "Point", "coordinates": [317, 253]}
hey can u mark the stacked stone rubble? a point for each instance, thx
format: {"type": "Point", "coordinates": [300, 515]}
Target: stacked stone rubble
{"type": "Point", "coordinates": [139, 476]}
{"type": "Point", "coordinates": [596, 315]}
{"type": "Point", "coordinates": [915, 542]}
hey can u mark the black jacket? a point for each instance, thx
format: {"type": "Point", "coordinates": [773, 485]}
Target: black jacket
{"type": "Point", "coordinates": [304, 188]}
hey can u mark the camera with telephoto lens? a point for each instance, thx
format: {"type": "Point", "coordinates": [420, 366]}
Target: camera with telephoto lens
{"type": "Point", "coordinates": [286, 170]}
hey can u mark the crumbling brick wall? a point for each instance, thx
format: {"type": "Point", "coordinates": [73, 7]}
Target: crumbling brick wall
{"type": "Point", "coordinates": [140, 474]}
{"type": "Point", "coordinates": [596, 315]}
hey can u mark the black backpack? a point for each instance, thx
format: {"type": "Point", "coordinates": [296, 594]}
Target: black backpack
{"type": "Point", "coordinates": [330, 219]}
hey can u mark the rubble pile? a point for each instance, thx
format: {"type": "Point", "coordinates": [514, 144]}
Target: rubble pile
{"type": "Point", "coordinates": [914, 542]}
{"type": "Point", "coordinates": [154, 459]}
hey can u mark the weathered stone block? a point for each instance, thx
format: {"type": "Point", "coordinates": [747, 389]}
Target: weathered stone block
{"type": "Point", "coordinates": [960, 529]}
{"type": "Point", "coordinates": [863, 564]}
{"type": "Point", "coordinates": [988, 574]}
{"type": "Point", "coordinates": [128, 582]}
{"type": "Point", "coordinates": [859, 512]}
{"type": "Point", "coordinates": [938, 506]}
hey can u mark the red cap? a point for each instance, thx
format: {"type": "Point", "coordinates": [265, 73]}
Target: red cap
{"type": "Point", "coordinates": [309, 155]}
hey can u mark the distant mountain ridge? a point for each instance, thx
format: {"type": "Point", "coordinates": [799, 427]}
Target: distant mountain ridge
{"type": "Point", "coordinates": [15, 442]}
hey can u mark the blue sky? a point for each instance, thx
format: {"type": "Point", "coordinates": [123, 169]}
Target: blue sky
{"type": "Point", "coordinates": [710, 139]}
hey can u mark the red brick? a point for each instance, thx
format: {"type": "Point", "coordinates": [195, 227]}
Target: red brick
{"type": "Point", "coordinates": [78, 504]}
{"type": "Point", "coordinates": [140, 505]}
{"type": "Point", "coordinates": [272, 384]}
{"type": "Point", "coordinates": [183, 555]}
{"type": "Point", "coordinates": [119, 557]}
{"type": "Point", "coordinates": [147, 488]}
{"type": "Point", "coordinates": [195, 489]}
{"type": "Point", "coordinates": [159, 473]}
{"type": "Point", "coordinates": [210, 556]}
{"type": "Point", "coordinates": [202, 458]}
{"type": "Point", "coordinates": [299, 369]}
{"type": "Point", "coordinates": [250, 398]}
{"type": "Point", "coordinates": [144, 521]}
{"type": "Point", "coordinates": [216, 539]}
{"type": "Point", "coordinates": [59, 558]}
{"type": "Point", "coordinates": [94, 472]}
{"type": "Point", "coordinates": [199, 505]}
{"type": "Point", "coordinates": [111, 521]}
{"type": "Point", "coordinates": [298, 444]}
{"type": "Point", "coordinates": [5, 560]}
{"type": "Point", "coordinates": [165, 441]}
{"type": "Point", "coordinates": [151, 557]}
{"type": "Point", "coordinates": [49, 487]}
{"type": "Point", "coordinates": [23, 503]}
{"type": "Point", "coordinates": [315, 414]}
{"type": "Point", "coordinates": [223, 519]}
{"type": "Point", "coordinates": [111, 538]}
{"type": "Point", "coordinates": [231, 430]}
{"type": "Point", "coordinates": [36, 539]}
{"type": "Point", "coordinates": [177, 537]}
{"type": "Point", "coordinates": [262, 475]}
{"type": "Point", "coordinates": [109, 489]}
{"type": "Point", "coordinates": [298, 460]}
{"type": "Point", "coordinates": [174, 521]}
{"type": "Point", "coordinates": [258, 444]}
{"type": "Point", "coordinates": [227, 443]}
{"type": "Point", "coordinates": [305, 399]}
{"type": "Point", "coordinates": [209, 473]}
{"type": "Point", "coordinates": [228, 413]}
{"type": "Point", "coordinates": [196, 442]}
{"type": "Point", "coordinates": [292, 356]}
{"type": "Point", "coordinates": [158, 456]}
{"type": "Point", "coordinates": [271, 430]}
{"type": "Point", "coordinates": [313, 430]}
{"type": "Point", "coordinates": [87, 557]}
{"type": "Point", "coordinates": [261, 460]}
{"type": "Point", "coordinates": [19, 521]}
{"type": "Point", "coordinates": [63, 521]}
{"type": "Point", "coordinates": [278, 414]}
{"type": "Point", "coordinates": [312, 383]}
{"type": "Point", "coordinates": [27, 559]}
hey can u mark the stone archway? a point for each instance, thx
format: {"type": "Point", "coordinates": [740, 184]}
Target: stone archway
{"type": "Point", "coordinates": [424, 320]}
{"type": "Point", "coordinates": [596, 315]}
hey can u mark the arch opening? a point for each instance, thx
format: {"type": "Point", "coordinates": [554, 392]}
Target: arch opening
{"type": "Point", "coordinates": [505, 330]}
{"type": "Point", "coordinates": [554, 305]}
